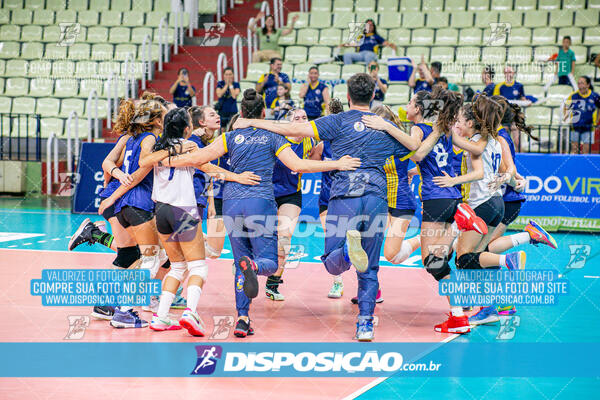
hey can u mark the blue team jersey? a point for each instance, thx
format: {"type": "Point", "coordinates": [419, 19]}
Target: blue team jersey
{"type": "Point", "coordinates": [270, 87]}
{"type": "Point", "coordinates": [314, 104]}
{"type": "Point", "coordinates": [200, 178]}
{"type": "Point", "coordinates": [438, 160]}
{"type": "Point", "coordinates": [326, 177]}
{"type": "Point", "coordinates": [513, 91]}
{"type": "Point", "coordinates": [349, 136]}
{"type": "Point", "coordinates": [286, 181]}
{"type": "Point", "coordinates": [140, 196]}
{"type": "Point", "coordinates": [459, 165]}
{"type": "Point", "coordinates": [379, 95]}
{"type": "Point", "coordinates": [113, 184]}
{"type": "Point", "coordinates": [280, 114]}
{"type": "Point", "coordinates": [399, 193]}
{"type": "Point", "coordinates": [584, 109]}
{"type": "Point", "coordinates": [509, 192]}
{"type": "Point", "coordinates": [255, 150]}
{"type": "Point", "coordinates": [422, 84]}
{"type": "Point", "coordinates": [218, 184]}
{"type": "Point", "coordinates": [489, 89]}
{"type": "Point", "coordinates": [370, 42]}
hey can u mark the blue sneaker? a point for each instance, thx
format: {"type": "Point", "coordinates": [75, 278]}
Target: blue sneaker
{"type": "Point", "coordinates": [516, 260]}
{"type": "Point", "coordinates": [179, 302]}
{"type": "Point", "coordinates": [127, 319]}
{"type": "Point", "coordinates": [364, 330]}
{"type": "Point", "coordinates": [486, 315]}
{"type": "Point", "coordinates": [506, 310]}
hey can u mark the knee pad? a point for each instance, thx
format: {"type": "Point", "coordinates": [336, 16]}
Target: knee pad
{"type": "Point", "coordinates": [468, 261]}
{"type": "Point", "coordinates": [437, 267]}
{"type": "Point", "coordinates": [126, 256]}
{"type": "Point", "coordinates": [164, 259]}
{"type": "Point", "coordinates": [178, 270]}
{"type": "Point", "coordinates": [405, 252]}
{"type": "Point", "coordinates": [151, 263]}
{"type": "Point", "coordinates": [283, 246]}
{"type": "Point", "coordinates": [198, 268]}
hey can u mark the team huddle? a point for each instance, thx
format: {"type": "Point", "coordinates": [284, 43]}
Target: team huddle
{"type": "Point", "coordinates": [171, 167]}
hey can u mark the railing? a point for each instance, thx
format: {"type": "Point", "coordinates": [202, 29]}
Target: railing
{"type": "Point", "coordinates": [251, 40]}
{"type": "Point", "coordinates": [221, 64]}
{"type": "Point", "coordinates": [554, 139]}
{"type": "Point", "coordinates": [92, 126]}
{"type": "Point", "coordinates": [70, 156]}
{"type": "Point", "coordinates": [130, 86]}
{"type": "Point", "coordinates": [51, 160]}
{"type": "Point", "coordinates": [178, 34]}
{"type": "Point", "coordinates": [266, 10]}
{"type": "Point", "coordinates": [278, 13]}
{"type": "Point", "coordinates": [238, 58]}
{"type": "Point", "coordinates": [112, 101]}
{"type": "Point", "coordinates": [209, 82]}
{"type": "Point", "coordinates": [16, 139]}
{"type": "Point", "coordinates": [163, 42]}
{"type": "Point", "coordinates": [146, 60]}
{"type": "Point", "coordinates": [304, 6]}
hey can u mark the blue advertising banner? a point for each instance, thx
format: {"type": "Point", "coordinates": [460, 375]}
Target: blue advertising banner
{"type": "Point", "coordinates": [91, 177]}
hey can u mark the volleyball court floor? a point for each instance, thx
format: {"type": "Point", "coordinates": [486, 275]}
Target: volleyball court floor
{"type": "Point", "coordinates": [32, 239]}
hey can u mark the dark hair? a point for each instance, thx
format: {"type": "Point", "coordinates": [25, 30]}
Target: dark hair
{"type": "Point", "coordinates": [252, 104]}
{"type": "Point", "coordinates": [264, 28]}
{"type": "Point", "coordinates": [231, 122]}
{"type": "Point", "coordinates": [227, 69]}
{"type": "Point", "coordinates": [489, 70]}
{"type": "Point", "coordinates": [514, 115]}
{"type": "Point", "coordinates": [313, 67]}
{"type": "Point", "coordinates": [588, 80]}
{"type": "Point", "coordinates": [182, 69]}
{"type": "Point", "coordinates": [486, 114]}
{"type": "Point", "coordinates": [197, 115]}
{"type": "Point", "coordinates": [274, 59]}
{"type": "Point", "coordinates": [175, 123]}
{"type": "Point", "coordinates": [374, 26]}
{"type": "Point", "coordinates": [335, 106]}
{"type": "Point", "coordinates": [361, 88]}
{"type": "Point", "coordinates": [451, 104]}
{"type": "Point", "coordinates": [567, 37]}
{"type": "Point", "coordinates": [423, 101]}
{"type": "Point", "coordinates": [288, 96]}
{"type": "Point", "coordinates": [437, 66]}
{"type": "Point", "coordinates": [443, 79]}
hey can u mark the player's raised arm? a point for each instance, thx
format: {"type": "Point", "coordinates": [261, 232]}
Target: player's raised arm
{"type": "Point", "coordinates": [295, 163]}
{"type": "Point", "coordinates": [303, 129]}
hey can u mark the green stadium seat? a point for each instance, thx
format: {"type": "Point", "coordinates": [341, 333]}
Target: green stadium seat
{"type": "Point", "coordinates": [542, 53]}
{"type": "Point", "coordinates": [364, 6]}
{"type": "Point", "coordinates": [246, 85]}
{"type": "Point", "coordinates": [40, 68]}
{"type": "Point", "coordinates": [170, 35]}
{"type": "Point", "coordinates": [586, 69]}
{"type": "Point", "coordinates": [56, 5]}
{"type": "Point", "coordinates": [557, 94]}
{"type": "Point", "coordinates": [288, 69]}
{"type": "Point", "coordinates": [559, 117]}
{"type": "Point", "coordinates": [10, 32]}
{"type": "Point", "coordinates": [102, 51]}
{"type": "Point", "coordinates": [307, 37]}
{"type": "Point", "coordinates": [529, 75]}
{"type": "Point", "coordinates": [147, 5]}
{"type": "Point", "coordinates": [301, 71]}
{"type": "Point", "coordinates": [54, 52]}
{"type": "Point", "coordinates": [89, 109]}
{"type": "Point", "coordinates": [386, 6]}
{"type": "Point", "coordinates": [43, 17]}
{"type": "Point", "coordinates": [399, 36]}
{"type": "Point", "coordinates": [123, 49]}
{"type": "Point", "coordinates": [339, 91]}
{"type": "Point", "coordinates": [330, 37]}
{"type": "Point", "coordinates": [320, 6]}
{"type": "Point", "coordinates": [574, 4]}
{"type": "Point", "coordinates": [79, 51]}
{"type": "Point", "coordinates": [432, 5]}
{"type": "Point", "coordinates": [593, 4]}
{"type": "Point", "coordinates": [32, 50]}
{"type": "Point", "coordinates": [422, 36]}
{"type": "Point", "coordinates": [437, 19]}
{"type": "Point", "coordinates": [255, 70]}
{"type": "Point", "coordinates": [461, 19]}
{"type": "Point", "coordinates": [319, 53]}
{"type": "Point", "coordinates": [479, 5]}
{"type": "Point", "coordinates": [593, 50]}
{"type": "Point", "coordinates": [16, 68]}
{"type": "Point", "coordinates": [455, 5]}
{"type": "Point", "coordinates": [330, 72]}
{"type": "Point", "coordinates": [137, 68]}
{"type": "Point", "coordinates": [97, 34]}
{"type": "Point", "coordinates": [470, 37]}
{"type": "Point", "coordinates": [536, 115]}
{"type": "Point", "coordinates": [78, 5]}
{"type": "Point", "coordinates": [533, 90]}
{"type": "Point", "coordinates": [51, 125]}
{"type": "Point", "coordinates": [413, 20]}
{"type": "Point", "coordinates": [344, 6]}
{"type": "Point", "coordinates": [288, 40]}
{"type": "Point", "coordinates": [121, 5]}
{"type": "Point", "coordinates": [13, 4]}
{"type": "Point", "coordinates": [63, 69]}
{"type": "Point", "coordinates": [1, 89]}
{"type": "Point", "coordinates": [415, 53]}
{"type": "Point", "coordinates": [5, 104]}
{"type": "Point", "coordinates": [483, 19]}
{"type": "Point", "coordinates": [153, 19]}
{"type": "Point", "coordinates": [592, 35]}
{"type": "Point", "coordinates": [549, 5]}
{"type": "Point", "coordinates": [502, 5]}
{"type": "Point", "coordinates": [66, 16]}
{"type": "Point", "coordinates": [514, 18]}
{"type": "Point", "coordinates": [2, 67]}
{"type": "Point", "coordinates": [587, 18]}
{"type": "Point", "coordinates": [21, 17]}
{"type": "Point", "coordinates": [105, 68]}
{"type": "Point", "coordinates": [133, 18]}
{"type": "Point", "coordinates": [87, 85]}
{"type": "Point", "coordinates": [536, 19]}
{"type": "Point", "coordinates": [66, 88]}
{"type": "Point", "coordinates": [351, 69]}
{"type": "Point", "coordinates": [397, 94]}
{"type": "Point", "coordinates": [119, 35]}
{"type": "Point", "coordinates": [138, 34]}
{"type": "Point", "coordinates": [186, 19]}
{"type": "Point", "coordinates": [16, 87]}
{"type": "Point", "coordinates": [455, 75]}
{"type": "Point", "coordinates": [162, 5]}
{"type": "Point", "coordinates": [341, 20]}
{"type": "Point", "coordinates": [10, 50]}
{"type": "Point", "coordinates": [575, 33]}
{"type": "Point", "coordinates": [4, 18]}
{"type": "Point", "coordinates": [69, 105]}
{"type": "Point", "coordinates": [442, 54]}
{"type": "Point", "coordinates": [561, 18]}
{"type": "Point", "coordinates": [295, 54]}
{"type": "Point", "coordinates": [580, 54]}
{"type": "Point", "coordinates": [446, 37]}
{"type": "Point", "coordinates": [31, 33]}
{"type": "Point", "coordinates": [410, 5]}
{"type": "Point", "coordinates": [110, 18]}
{"type": "Point", "coordinates": [390, 20]}
{"type": "Point", "coordinates": [543, 36]}
{"type": "Point", "coordinates": [88, 18]}
{"type": "Point", "coordinates": [22, 105]}
{"type": "Point", "coordinates": [388, 52]}
{"type": "Point", "coordinates": [493, 55]}
{"type": "Point", "coordinates": [153, 52]}
{"type": "Point", "coordinates": [525, 5]}
{"type": "Point", "coordinates": [41, 87]}
{"type": "Point", "coordinates": [519, 36]}
{"type": "Point", "coordinates": [86, 69]}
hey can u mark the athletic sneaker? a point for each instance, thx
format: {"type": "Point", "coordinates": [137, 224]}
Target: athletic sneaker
{"type": "Point", "coordinates": [243, 329]}
{"type": "Point", "coordinates": [467, 220]}
{"type": "Point", "coordinates": [336, 291]}
{"type": "Point", "coordinates": [539, 235]}
{"type": "Point", "coordinates": [357, 256]}
{"type": "Point", "coordinates": [378, 299]}
{"type": "Point", "coordinates": [153, 307]}
{"type": "Point", "coordinates": [454, 325]}
{"type": "Point", "coordinates": [506, 310]}
{"type": "Point", "coordinates": [485, 315]}
{"type": "Point", "coordinates": [249, 269]}
{"type": "Point", "coordinates": [191, 321]}
{"type": "Point", "coordinates": [272, 288]}
{"type": "Point", "coordinates": [364, 330]}
{"type": "Point", "coordinates": [163, 324]}
{"type": "Point", "coordinates": [179, 302]}
{"type": "Point", "coordinates": [103, 312]}
{"type": "Point", "coordinates": [516, 260]}
{"type": "Point", "coordinates": [83, 234]}
{"type": "Point", "coordinates": [127, 319]}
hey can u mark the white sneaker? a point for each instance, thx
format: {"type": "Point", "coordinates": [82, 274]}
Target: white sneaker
{"type": "Point", "coordinates": [274, 295]}
{"type": "Point", "coordinates": [163, 324]}
{"type": "Point", "coordinates": [191, 321]}
{"type": "Point", "coordinates": [153, 307]}
{"type": "Point", "coordinates": [337, 290]}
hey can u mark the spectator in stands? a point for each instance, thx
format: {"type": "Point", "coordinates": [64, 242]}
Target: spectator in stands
{"type": "Point", "coordinates": [582, 105]}
{"type": "Point", "coordinates": [182, 90]}
{"type": "Point", "coordinates": [267, 83]}
{"type": "Point", "coordinates": [565, 64]}
{"type": "Point", "coordinates": [282, 104]}
{"type": "Point", "coordinates": [315, 95]}
{"type": "Point", "coordinates": [268, 37]}
{"type": "Point", "coordinates": [511, 89]}
{"type": "Point", "coordinates": [442, 82]}
{"type": "Point", "coordinates": [369, 43]}
{"type": "Point", "coordinates": [381, 85]}
{"type": "Point", "coordinates": [427, 76]}
{"type": "Point", "coordinates": [227, 93]}
{"type": "Point", "coordinates": [487, 77]}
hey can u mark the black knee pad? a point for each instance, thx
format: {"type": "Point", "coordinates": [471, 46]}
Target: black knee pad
{"type": "Point", "coordinates": [127, 256]}
{"type": "Point", "coordinates": [437, 267]}
{"type": "Point", "coordinates": [468, 261]}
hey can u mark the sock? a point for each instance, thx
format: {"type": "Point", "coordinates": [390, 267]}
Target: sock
{"type": "Point", "coordinates": [125, 308]}
{"type": "Point", "coordinates": [193, 296]}
{"type": "Point", "coordinates": [502, 261]}
{"type": "Point", "coordinates": [166, 299]}
{"type": "Point", "coordinates": [405, 252]}
{"type": "Point", "coordinates": [162, 257]}
{"type": "Point", "coordinates": [520, 238]}
{"type": "Point", "coordinates": [457, 311]}
{"type": "Point", "coordinates": [103, 238]}
{"type": "Point", "coordinates": [337, 278]}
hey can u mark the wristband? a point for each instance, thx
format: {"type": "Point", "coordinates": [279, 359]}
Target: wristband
{"type": "Point", "coordinates": [111, 171]}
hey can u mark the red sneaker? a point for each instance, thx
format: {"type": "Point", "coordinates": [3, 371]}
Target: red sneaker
{"type": "Point", "coordinates": [454, 325]}
{"type": "Point", "coordinates": [378, 299]}
{"type": "Point", "coordinates": [467, 220]}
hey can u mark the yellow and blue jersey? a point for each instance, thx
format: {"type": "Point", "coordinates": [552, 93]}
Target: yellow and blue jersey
{"type": "Point", "coordinates": [286, 181]}
{"type": "Point", "coordinates": [326, 177]}
{"type": "Point", "coordinates": [459, 165]}
{"type": "Point", "coordinates": [422, 84]}
{"type": "Point", "coordinates": [279, 102]}
{"type": "Point", "coordinates": [399, 193]}
{"type": "Point", "coordinates": [270, 86]}
{"type": "Point", "coordinates": [370, 42]}
{"type": "Point", "coordinates": [223, 162]}
{"type": "Point", "coordinates": [113, 184]}
{"type": "Point", "coordinates": [314, 104]}
{"type": "Point", "coordinates": [509, 192]}
{"type": "Point", "coordinates": [514, 91]}
{"type": "Point", "coordinates": [489, 89]}
{"type": "Point", "coordinates": [584, 109]}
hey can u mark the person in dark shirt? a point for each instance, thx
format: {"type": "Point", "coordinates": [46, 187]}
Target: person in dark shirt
{"type": "Point", "coordinates": [368, 45]}
{"type": "Point", "coordinates": [487, 77]}
{"type": "Point", "coordinates": [182, 90]}
{"type": "Point", "coordinates": [381, 85]}
{"type": "Point", "coordinates": [427, 76]}
{"type": "Point", "coordinates": [227, 93]}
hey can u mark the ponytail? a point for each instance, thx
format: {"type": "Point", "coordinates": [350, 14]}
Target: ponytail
{"type": "Point", "coordinates": [175, 123]}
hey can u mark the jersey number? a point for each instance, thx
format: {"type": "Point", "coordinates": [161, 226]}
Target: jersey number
{"type": "Point", "coordinates": [496, 157]}
{"type": "Point", "coordinates": [171, 173]}
{"type": "Point", "coordinates": [126, 160]}
{"type": "Point", "coordinates": [441, 156]}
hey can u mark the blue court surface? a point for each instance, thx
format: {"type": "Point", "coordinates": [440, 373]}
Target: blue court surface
{"type": "Point", "coordinates": [575, 319]}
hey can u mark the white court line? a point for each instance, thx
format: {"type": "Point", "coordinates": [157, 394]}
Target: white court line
{"type": "Point", "coordinates": [591, 276]}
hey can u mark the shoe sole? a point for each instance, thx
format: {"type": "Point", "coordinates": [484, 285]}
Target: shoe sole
{"type": "Point", "coordinates": [357, 255]}
{"type": "Point", "coordinates": [335, 296]}
{"type": "Point", "coordinates": [181, 307]}
{"type": "Point", "coordinates": [189, 326]}
{"type": "Point", "coordinates": [466, 329]}
{"type": "Point", "coordinates": [243, 334]}
{"type": "Point", "coordinates": [488, 320]}
{"type": "Point", "coordinates": [250, 279]}
{"type": "Point", "coordinates": [355, 301]}
{"type": "Point", "coordinates": [365, 339]}
{"type": "Point", "coordinates": [168, 328]}
{"type": "Point", "coordinates": [547, 239]}
{"type": "Point", "coordinates": [470, 215]}
{"type": "Point", "coordinates": [77, 233]}
{"type": "Point", "coordinates": [122, 325]}
{"type": "Point", "coordinates": [270, 296]}
{"type": "Point", "coordinates": [101, 316]}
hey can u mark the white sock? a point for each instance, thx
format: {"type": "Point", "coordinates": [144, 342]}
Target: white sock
{"type": "Point", "coordinates": [162, 257]}
{"type": "Point", "coordinates": [337, 278]}
{"type": "Point", "coordinates": [457, 311]}
{"type": "Point", "coordinates": [502, 261]}
{"type": "Point", "coordinates": [193, 296]}
{"type": "Point", "coordinates": [125, 308]}
{"type": "Point", "coordinates": [405, 252]}
{"type": "Point", "coordinates": [520, 238]}
{"type": "Point", "coordinates": [166, 299]}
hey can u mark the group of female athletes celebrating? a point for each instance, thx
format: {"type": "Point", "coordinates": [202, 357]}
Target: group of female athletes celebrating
{"type": "Point", "coordinates": [171, 166]}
